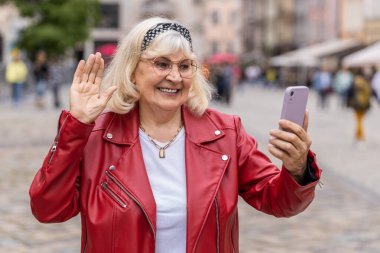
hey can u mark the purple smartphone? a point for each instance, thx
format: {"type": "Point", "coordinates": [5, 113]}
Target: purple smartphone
{"type": "Point", "coordinates": [294, 104]}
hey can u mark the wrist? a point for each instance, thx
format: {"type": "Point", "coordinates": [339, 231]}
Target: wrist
{"type": "Point", "coordinates": [82, 118]}
{"type": "Point", "coordinates": [299, 174]}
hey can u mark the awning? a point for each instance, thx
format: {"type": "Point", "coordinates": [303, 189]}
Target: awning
{"type": "Point", "coordinates": [311, 55]}
{"type": "Point", "coordinates": [366, 57]}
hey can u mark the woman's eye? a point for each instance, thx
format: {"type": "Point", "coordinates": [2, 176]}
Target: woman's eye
{"type": "Point", "coordinates": [184, 66]}
{"type": "Point", "coordinates": [162, 64]}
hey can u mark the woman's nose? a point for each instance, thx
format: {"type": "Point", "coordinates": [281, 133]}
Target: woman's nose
{"type": "Point", "coordinates": [174, 74]}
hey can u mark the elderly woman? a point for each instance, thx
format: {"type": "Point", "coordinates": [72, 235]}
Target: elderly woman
{"type": "Point", "coordinates": [149, 167]}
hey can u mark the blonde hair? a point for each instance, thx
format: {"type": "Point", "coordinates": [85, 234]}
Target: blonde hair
{"type": "Point", "coordinates": [128, 54]}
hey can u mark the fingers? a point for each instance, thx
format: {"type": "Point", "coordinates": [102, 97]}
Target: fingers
{"type": "Point", "coordinates": [299, 141]}
{"type": "Point", "coordinates": [99, 73]}
{"type": "Point", "coordinates": [294, 128]}
{"type": "Point", "coordinates": [306, 120]}
{"type": "Point", "coordinates": [291, 138]}
{"type": "Point", "coordinates": [276, 152]}
{"type": "Point", "coordinates": [288, 144]}
{"type": "Point", "coordinates": [95, 68]}
{"type": "Point", "coordinates": [79, 71]}
{"type": "Point", "coordinates": [89, 70]}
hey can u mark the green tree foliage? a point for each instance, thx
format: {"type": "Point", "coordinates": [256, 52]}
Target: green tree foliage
{"type": "Point", "coordinates": [55, 25]}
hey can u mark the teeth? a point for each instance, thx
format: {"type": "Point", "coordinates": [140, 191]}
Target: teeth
{"type": "Point", "coordinates": [168, 90]}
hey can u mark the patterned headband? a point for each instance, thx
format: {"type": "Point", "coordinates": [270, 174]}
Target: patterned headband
{"type": "Point", "coordinates": [151, 34]}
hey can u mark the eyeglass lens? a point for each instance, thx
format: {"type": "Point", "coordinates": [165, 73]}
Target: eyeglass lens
{"type": "Point", "coordinates": [163, 66]}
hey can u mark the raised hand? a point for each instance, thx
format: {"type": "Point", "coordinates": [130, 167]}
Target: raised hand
{"type": "Point", "coordinates": [86, 102]}
{"type": "Point", "coordinates": [291, 144]}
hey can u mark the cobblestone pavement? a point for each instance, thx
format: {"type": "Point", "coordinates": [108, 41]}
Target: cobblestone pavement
{"type": "Point", "coordinates": [344, 218]}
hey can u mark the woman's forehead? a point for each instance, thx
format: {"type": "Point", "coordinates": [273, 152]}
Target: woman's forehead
{"type": "Point", "coordinates": [174, 56]}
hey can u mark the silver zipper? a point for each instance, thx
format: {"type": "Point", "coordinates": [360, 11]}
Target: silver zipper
{"type": "Point", "coordinates": [113, 178]}
{"type": "Point", "coordinates": [52, 150]}
{"type": "Point", "coordinates": [217, 226]}
{"type": "Point", "coordinates": [113, 195]}
{"type": "Point", "coordinates": [55, 144]}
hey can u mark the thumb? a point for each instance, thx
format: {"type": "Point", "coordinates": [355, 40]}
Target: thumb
{"type": "Point", "coordinates": [306, 120]}
{"type": "Point", "coordinates": [107, 94]}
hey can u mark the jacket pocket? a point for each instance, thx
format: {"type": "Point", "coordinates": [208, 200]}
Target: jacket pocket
{"type": "Point", "coordinates": [112, 178]}
{"type": "Point", "coordinates": [113, 195]}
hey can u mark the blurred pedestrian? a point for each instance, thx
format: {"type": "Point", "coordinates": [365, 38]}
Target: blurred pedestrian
{"type": "Point", "coordinates": [222, 76]}
{"type": "Point", "coordinates": [16, 74]}
{"type": "Point", "coordinates": [270, 77]}
{"type": "Point", "coordinates": [150, 167]}
{"type": "Point", "coordinates": [41, 71]}
{"type": "Point", "coordinates": [252, 73]}
{"type": "Point", "coordinates": [56, 79]}
{"type": "Point", "coordinates": [342, 82]}
{"type": "Point", "coordinates": [359, 98]}
{"type": "Point", "coordinates": [322, 82]}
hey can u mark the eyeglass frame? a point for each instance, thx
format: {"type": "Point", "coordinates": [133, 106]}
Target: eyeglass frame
{"type": "Point", "coordinates": [152, 61]}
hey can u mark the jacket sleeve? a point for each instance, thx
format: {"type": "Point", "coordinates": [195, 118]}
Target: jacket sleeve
{"type": "Point", "coordinates": [266, 187]}
{"type": "Point", "coordinates": [54, 192]}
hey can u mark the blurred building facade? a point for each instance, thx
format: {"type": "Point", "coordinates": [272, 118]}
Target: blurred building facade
{"type": "Point", "coordinates": [208, 22]}
{"type": "Point", "coordinates": [255, 29]}
{"type": "Point", "coordinates": [271, 27]}
{"type": "Point", "coordinates": [360, 19]}
{"type": "Point", "coordinates": [267, 27]}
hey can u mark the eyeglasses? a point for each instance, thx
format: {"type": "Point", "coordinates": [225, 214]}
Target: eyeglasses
{"type": "Point", "coordinates": [163, 66]}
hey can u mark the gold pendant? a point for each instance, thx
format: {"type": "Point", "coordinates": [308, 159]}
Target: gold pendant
{"type": "Point", "coordinates": [162, 153]}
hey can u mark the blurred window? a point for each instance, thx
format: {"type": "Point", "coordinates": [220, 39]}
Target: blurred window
{"type": "Point", "coordinates": [214, 47]}
{"type": "Point", "coordinates": [109, 16]}
{"type": "Point", "coordinates": [230, 47]}
{"type": "Point", "coordinates": [233, 17]}
{"type": "Point", "coordinates": [215, 17]}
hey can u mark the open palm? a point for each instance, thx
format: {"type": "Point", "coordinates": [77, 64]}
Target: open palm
{"type": "Point", "coordinates": [86, 102]}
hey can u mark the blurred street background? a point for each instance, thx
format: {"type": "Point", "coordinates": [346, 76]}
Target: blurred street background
{"type": "Point", "coordinates": [251, 50]}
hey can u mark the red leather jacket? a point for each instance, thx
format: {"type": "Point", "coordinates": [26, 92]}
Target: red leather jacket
{"type": "Point", "coordinates": [98, 171]}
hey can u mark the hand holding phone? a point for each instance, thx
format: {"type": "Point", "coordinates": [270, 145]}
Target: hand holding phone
{"type": "Point", "coordinates": [294, 156]}
{"type": "Point", "coordinates": [294, 104]}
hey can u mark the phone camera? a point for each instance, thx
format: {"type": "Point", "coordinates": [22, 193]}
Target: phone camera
{"type": "Point", "coordinates": [291, 93]}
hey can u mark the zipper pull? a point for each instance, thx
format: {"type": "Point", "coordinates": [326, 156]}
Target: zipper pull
{"type": "Point", "coordinates": [54, 148]}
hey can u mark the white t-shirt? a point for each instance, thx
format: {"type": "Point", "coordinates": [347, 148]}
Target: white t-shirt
{"type": "Point", "coordinates": [167, 177]}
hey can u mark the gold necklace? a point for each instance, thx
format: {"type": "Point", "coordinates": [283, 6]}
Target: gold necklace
{"type": "Point", "coordinates": [161, 149]}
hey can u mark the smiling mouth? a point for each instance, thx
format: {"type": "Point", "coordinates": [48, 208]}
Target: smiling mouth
{"type": "Point", "coordinates": [169, 91]}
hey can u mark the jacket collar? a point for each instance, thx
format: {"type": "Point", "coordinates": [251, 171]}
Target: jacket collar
{"type": "Point", "coordinates": [124, 128]}
{"type": "Point", "coordinates": [201, 129]}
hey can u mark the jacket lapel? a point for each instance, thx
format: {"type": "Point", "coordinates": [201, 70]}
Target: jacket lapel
{"type": "Point", "coordinates": [204, 171]}
{"type": "Point", "coordinates": [130, 169]}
